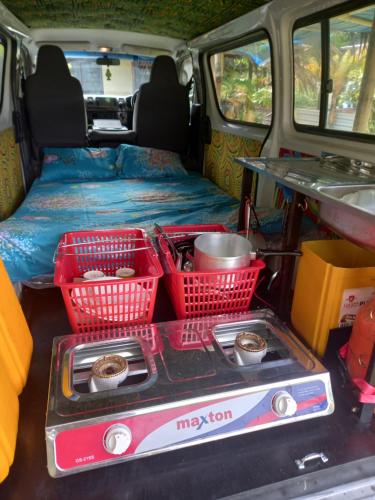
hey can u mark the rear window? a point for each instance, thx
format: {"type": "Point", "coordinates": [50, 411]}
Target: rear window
{"type": "Point", "coordinates": [242, 78]}
{"type": "Point", "coordinates": [114, 80]}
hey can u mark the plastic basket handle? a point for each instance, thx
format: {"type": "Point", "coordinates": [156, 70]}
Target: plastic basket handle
{"type": "Point", "coordinates": [101, 253]}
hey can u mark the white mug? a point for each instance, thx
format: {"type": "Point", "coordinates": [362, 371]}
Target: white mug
{"type": "Point", "coordinates": [107, 373]}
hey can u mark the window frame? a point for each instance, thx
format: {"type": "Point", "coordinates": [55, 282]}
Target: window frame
{"type": "Point", "coordinates": [4, 41]}
{"type": "Point", "coordinates": [253, 37]}
{"type": "Point", "coordinates": [323, 18]}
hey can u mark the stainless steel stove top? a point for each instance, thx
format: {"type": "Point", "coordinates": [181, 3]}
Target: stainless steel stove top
{"type": "Point", "coordinates": [174, 371]}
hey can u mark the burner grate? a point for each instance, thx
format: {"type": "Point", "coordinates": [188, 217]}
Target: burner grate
{"type": "Point", "coordinates": [85, 357]}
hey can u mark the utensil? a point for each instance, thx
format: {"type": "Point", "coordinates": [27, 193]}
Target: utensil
{"type": "Point", "coordinates": [177, 256]}
{"type": "Point", "coordinates": [247, 218]}
{"type": "Point", "coordinates": [215, 251]}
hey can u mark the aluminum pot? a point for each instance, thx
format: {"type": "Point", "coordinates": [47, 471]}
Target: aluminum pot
{"type": "Point", "coordinates": [226, 251]}
{"type": "Point", "coordinates": [221, 251]}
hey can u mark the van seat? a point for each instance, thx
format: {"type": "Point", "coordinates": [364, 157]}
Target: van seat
{"type": "Point", "coordinates": [54, 102]}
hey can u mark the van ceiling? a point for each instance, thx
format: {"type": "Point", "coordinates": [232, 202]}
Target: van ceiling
{"type": "Point", "coordinates": [184, 19]}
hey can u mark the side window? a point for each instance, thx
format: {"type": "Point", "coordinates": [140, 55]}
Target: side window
{"type": "Point", "coordinates": [352, 71]}
{"type": "Point", "coordinates": [308, 74]}
{"type": "Point", "coordinates": [334, 72]}
{"type": "Point", "coordinates": [2, 68]}
{"type": "Point", "coordinates": [243, 82]}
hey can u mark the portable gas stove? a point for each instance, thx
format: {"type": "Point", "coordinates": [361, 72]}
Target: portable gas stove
{"type": "Point", "coordinates": [120, 395]}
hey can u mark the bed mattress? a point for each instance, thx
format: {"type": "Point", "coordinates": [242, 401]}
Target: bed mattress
{"type": "Point", "coordinates": [29, 237]}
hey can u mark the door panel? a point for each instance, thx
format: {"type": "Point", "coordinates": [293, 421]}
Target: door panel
{"type": "Point", "coordinates": [220, 166]}
{"type": "Point", "coordinates": [11, 180]}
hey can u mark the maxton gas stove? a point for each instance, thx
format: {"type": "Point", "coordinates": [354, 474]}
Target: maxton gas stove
{"type": "Point", "coordinates": [128, 393]}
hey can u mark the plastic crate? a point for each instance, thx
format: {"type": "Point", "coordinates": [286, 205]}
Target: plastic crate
{"type": "Point", "coordinates": [334, 277]}
{"type": "Point", "coordinates": [108, 303]}
{"type": "Point", "coordinates": [197, 294]}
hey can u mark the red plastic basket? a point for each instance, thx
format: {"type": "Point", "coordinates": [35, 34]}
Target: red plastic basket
{"type": "Point", "coordinates": [197, 294]}
{"type": "Point", "coordinates": [95, 305]}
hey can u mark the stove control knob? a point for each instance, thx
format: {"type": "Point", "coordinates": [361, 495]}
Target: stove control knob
{"type": "Point", "coordinates": [117, 439]}
{"type": "Point", "coordinates": [283, 404]}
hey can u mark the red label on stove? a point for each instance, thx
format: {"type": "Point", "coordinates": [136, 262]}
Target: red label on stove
{"type": "Point", "coordinates": [181, 426]}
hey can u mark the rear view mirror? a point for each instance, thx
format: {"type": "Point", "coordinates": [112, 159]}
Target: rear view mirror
{"type": "Point", "coordinates": [108, 61]}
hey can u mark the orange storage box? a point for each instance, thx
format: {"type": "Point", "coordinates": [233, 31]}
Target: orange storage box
{"type": "Point", "coordinates": [16, 343]}
{"type": "Point", "coordinates": [9, 408]}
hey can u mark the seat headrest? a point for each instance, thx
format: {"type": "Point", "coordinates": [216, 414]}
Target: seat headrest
{"type": "Point", "coordinates": [164, 70]}
{"type": "Point", "coordinates": [51, 62]}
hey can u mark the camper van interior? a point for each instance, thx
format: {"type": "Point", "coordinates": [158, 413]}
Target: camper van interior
{"type": "Point", "coordinates": [187, 249]}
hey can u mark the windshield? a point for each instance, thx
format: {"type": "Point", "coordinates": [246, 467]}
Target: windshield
{"type": "Point", "coordinates": [118, 80]}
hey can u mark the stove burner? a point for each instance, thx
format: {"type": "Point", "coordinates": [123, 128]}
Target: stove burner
{"type": "Point", "coordinates": [250, 342]}
{"type": "Point", "coordinates": [109, 366]}
{"type": "Point", "coordinates": [108, 372]}
{"type": "Point", "coordinates": [249, 348]}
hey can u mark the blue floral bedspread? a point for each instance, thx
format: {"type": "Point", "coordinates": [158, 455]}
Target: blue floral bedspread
{"type": "Point", "coordinates": [29, 238]}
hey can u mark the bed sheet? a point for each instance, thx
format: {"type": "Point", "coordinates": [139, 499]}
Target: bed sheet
{"type": "Point", "coordinates": [29, 237]}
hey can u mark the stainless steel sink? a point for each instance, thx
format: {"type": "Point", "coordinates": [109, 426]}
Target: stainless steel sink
{"type": "Point", "coordinates": [327, 180]}
{"type": "Point", "coordinates": [356, 223]}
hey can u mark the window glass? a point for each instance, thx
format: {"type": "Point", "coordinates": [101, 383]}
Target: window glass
{"type": "Point", "coordinates": [308, 74]}
{"type": "Point", "coordinates": [352, 71]}
{"type": "Point", "coordinates": [347, 97]}
{"type": "Point", "coordinates": [120, 80]}
{"type": "Point", "coordinates": [243, 82]}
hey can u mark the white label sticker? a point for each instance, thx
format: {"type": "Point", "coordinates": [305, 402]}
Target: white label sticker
{"type": "Point", "coordinates": [199, 422]}
{"type": "Point", "coordinates": [352, 300]}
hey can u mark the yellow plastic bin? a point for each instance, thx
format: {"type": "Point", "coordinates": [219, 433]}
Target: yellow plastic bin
{"type": "Point", "coordinates": [9, 408]}
{"type": "Point", "coordinates": [15, 339]}
{"type": "Point", "coordinates": [334, 277]}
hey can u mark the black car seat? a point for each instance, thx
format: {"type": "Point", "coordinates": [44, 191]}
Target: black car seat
{"type": "Point", "coordinates": [161, 111]}
{"type": "Point", "coordinates": [54, 102]}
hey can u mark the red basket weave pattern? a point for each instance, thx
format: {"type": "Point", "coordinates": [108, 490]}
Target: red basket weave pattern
{"type": "Point", "coordinates": [197, 294]}
{"type": "Point", "coordinates": [95, 305]}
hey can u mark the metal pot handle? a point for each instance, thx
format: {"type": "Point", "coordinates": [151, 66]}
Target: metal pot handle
{"type": "Point", "coordinates": [271, 253]}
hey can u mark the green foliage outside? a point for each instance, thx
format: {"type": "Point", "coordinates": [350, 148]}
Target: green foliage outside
{"type": "Point", "coordinates": [243, 76]}
{"type": "Point", "coordinates": [348, 52]}
{"type": "Point", "coordinates": [244, 84]}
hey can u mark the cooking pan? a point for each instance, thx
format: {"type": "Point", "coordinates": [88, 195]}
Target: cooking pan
{"type": "Point", "coordinates": [214, 251]}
